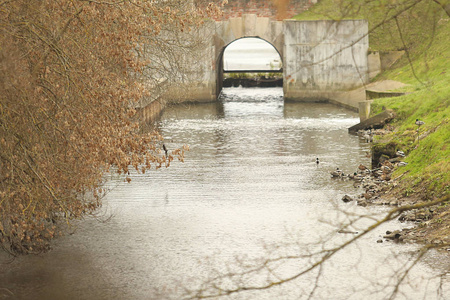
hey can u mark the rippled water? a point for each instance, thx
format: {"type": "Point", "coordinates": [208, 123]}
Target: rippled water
{"type": "Point", "coordinates": [249, 182]}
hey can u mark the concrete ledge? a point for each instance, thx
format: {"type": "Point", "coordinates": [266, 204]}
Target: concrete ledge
{"type": "Point", "coordinates": [375, 122]}
{"type": "Point", "coordinates": [377, 94]}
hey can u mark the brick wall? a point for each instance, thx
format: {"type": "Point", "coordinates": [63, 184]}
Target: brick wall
{"type": "Point", "coordinates": [276, 9]}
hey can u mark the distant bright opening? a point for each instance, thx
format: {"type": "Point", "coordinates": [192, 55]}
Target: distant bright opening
{"type": "Point", "coordinates": [250, 54]}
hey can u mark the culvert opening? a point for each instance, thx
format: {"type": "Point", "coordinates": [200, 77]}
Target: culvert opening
{"type": "Point", "coordinates": [252, 62]}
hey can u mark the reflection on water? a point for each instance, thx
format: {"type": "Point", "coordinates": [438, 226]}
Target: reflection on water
{"type": "Point", "coordinates": [249, 182]}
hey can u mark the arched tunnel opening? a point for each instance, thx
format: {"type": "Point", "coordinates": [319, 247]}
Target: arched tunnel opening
{"type": "Point", "coordinates": [249, 62]}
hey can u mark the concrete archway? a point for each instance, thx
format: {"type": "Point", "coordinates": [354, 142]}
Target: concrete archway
{"type": "Point", "coordinates": [233, 29]}
{"type": "Point", "coordinates": [221, 68]}
{"type": "Point", "coordinates": [323, 60]}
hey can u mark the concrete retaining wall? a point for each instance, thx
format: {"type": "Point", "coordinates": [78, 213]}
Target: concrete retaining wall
{"type": "Point", "coordinates": [151, 112]}
{"type": "Point", "coordinates": [374, 64]}
{"type": "Point", "coordinates": [382, 61]}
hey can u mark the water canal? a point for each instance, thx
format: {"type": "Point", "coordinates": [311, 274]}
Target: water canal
{"type": "Point", "coordinates": [249, 186]}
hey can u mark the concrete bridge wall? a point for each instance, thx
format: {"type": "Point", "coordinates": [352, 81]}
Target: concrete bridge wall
{"type": "Point", "coordinates": [322, 60]}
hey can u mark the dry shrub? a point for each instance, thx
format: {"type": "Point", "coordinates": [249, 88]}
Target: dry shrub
{"type": "Point", "coordinates": [69, 78]}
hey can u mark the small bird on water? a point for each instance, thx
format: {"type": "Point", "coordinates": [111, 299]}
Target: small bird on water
{"type": "Point", "coordinates": [337, 173]}
{"type": "Point", "coordinates": [317, 160]}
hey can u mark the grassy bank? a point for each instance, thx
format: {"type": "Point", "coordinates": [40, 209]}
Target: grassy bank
{"type": "Point", "coordinates": [424, 34]}
{"type": "Point", "coordinates": [429, 148]}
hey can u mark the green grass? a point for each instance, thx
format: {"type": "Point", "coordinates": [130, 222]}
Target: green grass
{"type": "Point", "coordinates": [429, 157]}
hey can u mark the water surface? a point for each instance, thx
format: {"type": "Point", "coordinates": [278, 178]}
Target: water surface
{"type": "Point", "coordinates": [249, 186]}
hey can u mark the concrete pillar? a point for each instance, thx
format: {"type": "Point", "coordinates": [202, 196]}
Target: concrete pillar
{"type": "Point", "coordinates": [364, 110]}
